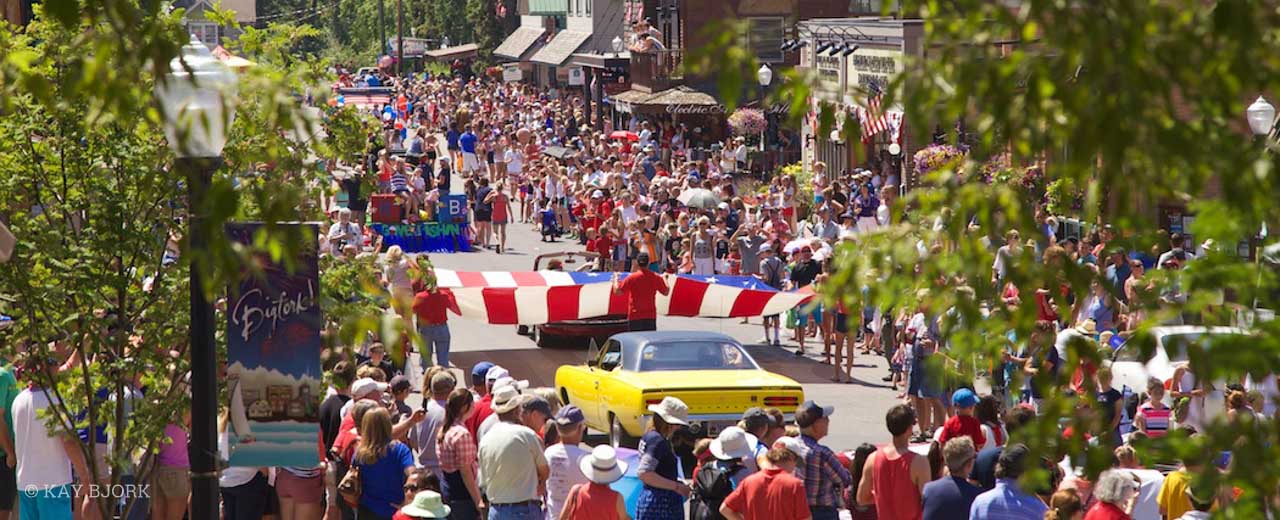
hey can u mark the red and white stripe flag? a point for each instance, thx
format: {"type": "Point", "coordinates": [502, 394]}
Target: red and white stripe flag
{"type": "Point", "coordinates": [537, 297]}
{"type": "Point", "coordinates": [874, 120]}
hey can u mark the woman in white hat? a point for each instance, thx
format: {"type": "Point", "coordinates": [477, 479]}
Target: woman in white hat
{"type": "Point", "coordinates": [595, 500]}
{"type": "Point", "coordinates": [663, 495]}
{"type": "Point", "coordinates": [426, 504]}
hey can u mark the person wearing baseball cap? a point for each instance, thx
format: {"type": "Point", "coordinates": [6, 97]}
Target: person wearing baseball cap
{"type": "Point", "coordinates": [484, 405]}
{"type": "Point", "coordinates": [774, 492]}
{"type": "Point", "coordinates": [963, 423]}
{"type": "Point", "coordinates": [400, 389]}
{"type": "Point", "coordinates": [512, 462]}
{"type": "Point", "coordinates": [773, 274]}
{"type": "Point", "coordinates": [756, 422]}
{"type": "Point", "coordinates": [641, 288]}
{"type": "Point", "coordinates": [425, 434]}
{"type": "Point", "coordinates": [663, 493]}
{"type": "Point", "coordinates": [478, 373]}
{"type": "Point", "coordinates": [563, 458]}
{"type": "Point", "coordinates": [821, 471]}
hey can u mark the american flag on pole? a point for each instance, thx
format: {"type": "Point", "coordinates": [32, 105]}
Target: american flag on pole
{"type": "Point", "coordinates": [874, 120]}
{"type": "Point", "coordinates": [537, 297]}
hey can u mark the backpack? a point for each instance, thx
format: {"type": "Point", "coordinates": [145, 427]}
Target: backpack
{"type": "Point", "coordinates": [711, 486]}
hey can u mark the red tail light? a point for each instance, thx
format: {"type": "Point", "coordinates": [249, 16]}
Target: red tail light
{"type": "Point", "coordinates": [781, 401]}
{"type": "Point", "coordinates": [650, 402]}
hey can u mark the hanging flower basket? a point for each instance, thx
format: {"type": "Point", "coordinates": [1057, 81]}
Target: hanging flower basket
{"type": "Point", "coordinates": [747, 122]}
{"type": "Point", "coordinates": [936, 157]}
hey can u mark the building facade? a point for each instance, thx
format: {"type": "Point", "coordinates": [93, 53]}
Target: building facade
{"type": "Point", "coordinates": [854, 60]}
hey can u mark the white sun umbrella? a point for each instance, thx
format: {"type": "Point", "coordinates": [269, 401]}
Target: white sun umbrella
{"type": "Point", "coordinates": [823, 248]}
{"type": "Point", "coordinates": [699, 198]}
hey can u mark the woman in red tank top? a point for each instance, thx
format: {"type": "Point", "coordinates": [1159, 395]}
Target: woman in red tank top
{"type": "Point", "coordinates": [595, 500]}
{"type": "Point", "coordinates": [896, 494]}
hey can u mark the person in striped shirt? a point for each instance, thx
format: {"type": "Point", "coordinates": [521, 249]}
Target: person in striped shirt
{"type": "Point", "coordinates": [1153, 416]}
{"type": "Point", "coordinates": [400, 187]}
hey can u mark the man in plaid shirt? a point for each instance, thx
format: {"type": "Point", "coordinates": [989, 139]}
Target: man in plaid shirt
{"type": "Point", "coordinates": [822, 473]}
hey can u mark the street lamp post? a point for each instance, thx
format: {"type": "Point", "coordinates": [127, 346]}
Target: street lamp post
{"type": "Point", "coordinates": [765, 77]}
{"type": "Point", "coordinates": [1262, 116]}
{"type": "Point", "coordinates": [195, 97]}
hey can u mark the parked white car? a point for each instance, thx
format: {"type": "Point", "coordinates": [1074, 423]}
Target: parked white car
{"type": "Point", "coordinates": [1130, 369]}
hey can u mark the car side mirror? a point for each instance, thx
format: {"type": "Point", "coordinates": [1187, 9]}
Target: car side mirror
{"type": "Point", "coordinates": [593, 354]}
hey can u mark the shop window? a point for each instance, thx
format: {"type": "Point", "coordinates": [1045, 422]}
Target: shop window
{"type": "Point", "coordinates": [765, 36]}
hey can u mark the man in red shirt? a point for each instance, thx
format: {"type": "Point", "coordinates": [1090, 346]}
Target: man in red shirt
{"type": "Point", "coordinates": [641, 287]}
{"type": "Point", "coordinates": [773, 493]}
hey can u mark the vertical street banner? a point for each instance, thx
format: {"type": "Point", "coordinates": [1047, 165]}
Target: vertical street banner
{"type": "Point", "coordinates": [274, 379]}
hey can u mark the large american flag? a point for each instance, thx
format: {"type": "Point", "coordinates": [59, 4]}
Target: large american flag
{"type": "Point", "coordinates": [874, 119]}
{"type": "Point", "coordinates": [537, 297]}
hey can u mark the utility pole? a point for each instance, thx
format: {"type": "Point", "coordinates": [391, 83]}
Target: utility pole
{"type": "Point", "coordinates": [382, 26]}
{"type": "Point", "coordinates": [400, 38]}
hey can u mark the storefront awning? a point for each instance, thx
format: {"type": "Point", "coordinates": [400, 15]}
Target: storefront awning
{"type": "Point", "coordinates": [677, 100]}
{"type": "Point", "coordinates": [452, 53]}
{"type": "Point", "coordinates": [518, 42]}
{"type": "Point", "coordinates": [558, 51]}
{"type": "Point", "coordinates": [548, 7]}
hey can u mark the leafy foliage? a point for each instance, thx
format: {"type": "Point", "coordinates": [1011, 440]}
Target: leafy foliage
{"type": "Point", "coordinates": [1134, 104]}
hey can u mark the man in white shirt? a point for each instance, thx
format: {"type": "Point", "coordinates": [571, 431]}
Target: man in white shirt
{"type": "Point", "coordinates": [424, 435]}
{"type": "Point", "coordinates": [513, 160]}
{"type": "Point", "coordinates": [563, 459]}
{"type": "Point", "coordinates": [44, 460]}
{"type": "Point", "coordinates": [343, 232]}
{"type": "Point", "coordinates": [512, 463]}
{"type": "Point", "coordinates": [883, 212]}
{"type": "Point", "coordinates": [646, 135]}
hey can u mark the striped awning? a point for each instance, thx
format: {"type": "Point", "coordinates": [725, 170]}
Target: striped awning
{"type": "Point", "coordinates": [558, 51]}
{"type": "Point", "coordinates": [518, 42]}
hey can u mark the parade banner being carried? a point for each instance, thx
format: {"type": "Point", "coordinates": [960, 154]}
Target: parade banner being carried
{"type": "Point", "coordinates": [273, 358]}
{"type": "Point", "coordinates": [424, 237]}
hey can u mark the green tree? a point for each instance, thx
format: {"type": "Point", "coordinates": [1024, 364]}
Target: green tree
{"type": "Point", "coordinates": [1149, 98]}
{"type": "Point", "coordinates": [99, 277]}
{"type": "Point", "coordinates": [488, 29]}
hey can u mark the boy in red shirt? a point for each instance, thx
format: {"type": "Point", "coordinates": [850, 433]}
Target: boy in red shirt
{"type": "Point", "coordinates": [963, 423]}
{"type": "Point", "coordinates": [773, 493]}
{"type": "Point", "coordinates": [604, 246]}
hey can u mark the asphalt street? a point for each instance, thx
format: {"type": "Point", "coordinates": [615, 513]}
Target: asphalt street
{"type": "Point", "coordinates": [860, 405]}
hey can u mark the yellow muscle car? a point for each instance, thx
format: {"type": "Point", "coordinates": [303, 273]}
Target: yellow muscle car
{"type": "Point", "coordinates": [710, 372]}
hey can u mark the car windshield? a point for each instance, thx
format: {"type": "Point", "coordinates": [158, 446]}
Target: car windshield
{"type": "Point", "coordinates": [694, 355]}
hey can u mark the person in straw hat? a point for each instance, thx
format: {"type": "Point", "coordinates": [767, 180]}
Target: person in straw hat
{"type": "Point", "coordinates": [512, 464]}
{"type": "Point", "coordinates": [594, 499]}
{"type": "Point", "coordinates": [426, 504]}
{"type": "Point", "coordinates": [663, 494]}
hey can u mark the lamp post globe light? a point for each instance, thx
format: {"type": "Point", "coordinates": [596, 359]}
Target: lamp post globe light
{"type": "Point", "coordinates": [764, 76]}
{"type": "Point", "coordinates": [196, 99]}
{"type": "Point", "coordinates": [1262, 116]}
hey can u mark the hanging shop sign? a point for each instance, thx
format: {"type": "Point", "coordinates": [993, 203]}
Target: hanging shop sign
{"type": "Point", "coordinates": [867, 66]}
{"type": "Point", "coordinates": [511, 72]}
{"type": "Point", "coordinates": [274, 378]}
{"type": "Point", "coordinates": [576, 77]}
{"type": "Point", "coordinates": [687, 109]}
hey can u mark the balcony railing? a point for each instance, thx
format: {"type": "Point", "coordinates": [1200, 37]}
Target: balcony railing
{"type": "Point", "coordinates": [657, 70]}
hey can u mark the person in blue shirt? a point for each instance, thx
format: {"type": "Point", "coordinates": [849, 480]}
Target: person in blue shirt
{"type": "Point", "coordinates": [451, 138]}
{"type": "Point", "coordinates": [950, 497]}
{"type": "Point", "coordinates": [467, 142]}
{"type": "Point", "coordinates": [384, 463]}
{"type": "Point", "coordinates": [1006, 501]}
{"type": "Point", "coordinates": [1117, 271]}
